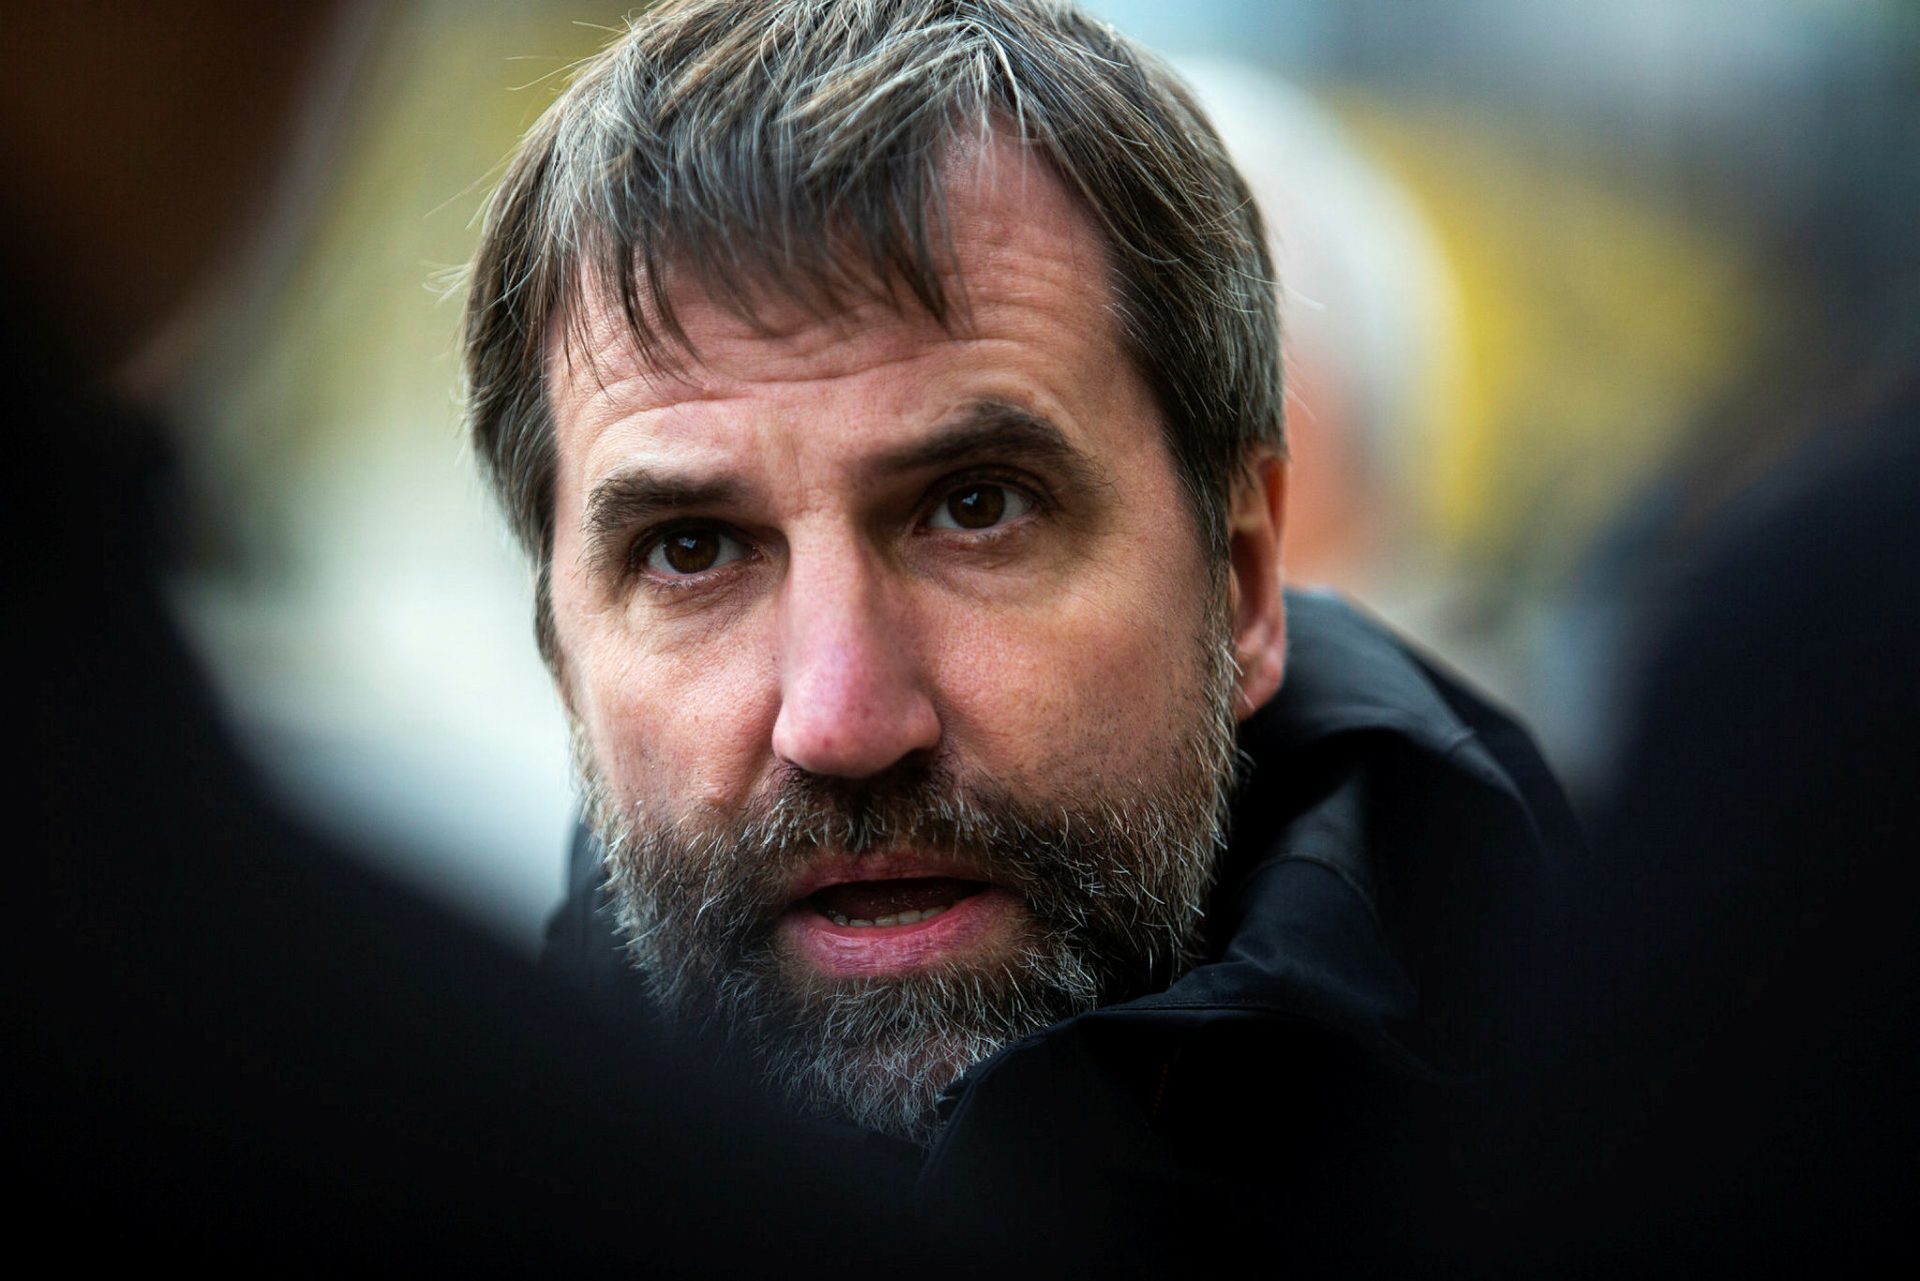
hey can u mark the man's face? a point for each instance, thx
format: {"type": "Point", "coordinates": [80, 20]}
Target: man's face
{"type": "Point", "coordinates": [900, 684]}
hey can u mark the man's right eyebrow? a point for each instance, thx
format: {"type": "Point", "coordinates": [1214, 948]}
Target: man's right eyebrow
{"type": "Point", "coordinates": [625, 499]}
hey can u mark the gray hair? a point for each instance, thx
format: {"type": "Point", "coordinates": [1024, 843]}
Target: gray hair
{"type": "Point", "coordinates": [793, 148]}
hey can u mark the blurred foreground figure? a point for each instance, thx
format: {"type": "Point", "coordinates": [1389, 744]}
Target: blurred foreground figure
{"type": "Point", "coordinates": [888, 397]}
{"type": "Point", "coordinates": [233, 1043]}
{"type": "Point", "coordinates": [1730, 1050]}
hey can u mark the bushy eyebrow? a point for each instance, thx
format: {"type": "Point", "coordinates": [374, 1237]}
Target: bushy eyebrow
{"type": "Point", "coordinates": [621, 501]}
{"type": "Point", "coordinates": [980, 431]}
{"type": "Point", "coordinates": [991, 429]}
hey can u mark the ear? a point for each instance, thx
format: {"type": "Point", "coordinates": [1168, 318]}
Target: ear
{"type": "Point", "coordinates": [1258, 509]}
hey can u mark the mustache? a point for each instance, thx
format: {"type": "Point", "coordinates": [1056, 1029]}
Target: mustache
{"type": "Point", "coordinates": [921, 801]}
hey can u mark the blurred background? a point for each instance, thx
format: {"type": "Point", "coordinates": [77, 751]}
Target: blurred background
{"type": "Point", "coordinates": [1559, 279]}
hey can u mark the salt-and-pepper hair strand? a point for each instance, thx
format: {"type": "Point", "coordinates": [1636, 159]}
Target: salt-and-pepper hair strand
{"type": "Point", "coordinates": [794, 149]}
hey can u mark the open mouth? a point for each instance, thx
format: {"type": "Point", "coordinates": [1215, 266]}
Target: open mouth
{"type": "Point", "coordinates": [905, 901]}
{"type": "Point", "coordinates": [896, 915]}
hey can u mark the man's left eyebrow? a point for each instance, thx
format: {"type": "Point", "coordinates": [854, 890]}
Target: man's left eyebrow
{"type": "Point", "coordinates": [988, 429]}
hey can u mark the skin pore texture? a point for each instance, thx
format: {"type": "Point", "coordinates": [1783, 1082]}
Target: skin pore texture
{"type": "Point", "coordinates": [902, 694]}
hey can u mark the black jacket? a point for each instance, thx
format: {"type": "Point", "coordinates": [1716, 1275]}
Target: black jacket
{"type": "Point", "coordinates": [1325, 1065]}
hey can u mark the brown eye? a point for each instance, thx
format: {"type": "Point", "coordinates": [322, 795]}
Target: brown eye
{"type": "Point", "coordinates": [691, 553]}
{"type": "Point", "coordinates": [685, 552]}
{"type": "Point", "coordinates": [977, 507]}
{"type": "Point", "coordinates": [980, 506]}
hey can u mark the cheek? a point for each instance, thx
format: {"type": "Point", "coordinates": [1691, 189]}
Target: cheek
{"type": "Point", "coordinates": [681, 726]}
{"type": "Point", "coordinates": [671, 717]}
{"type": "Point", "coordinates": [1077, 693]}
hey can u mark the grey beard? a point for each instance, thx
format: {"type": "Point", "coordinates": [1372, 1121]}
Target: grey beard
{"type": "Point", "coordinates": [1114, 882]}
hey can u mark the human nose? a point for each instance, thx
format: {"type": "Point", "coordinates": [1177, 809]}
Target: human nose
{"type": "Point", "coordinates": [853, 699]}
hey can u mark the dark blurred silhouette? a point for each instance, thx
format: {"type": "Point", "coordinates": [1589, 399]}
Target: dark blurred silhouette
{"type": "Point", "coordinates": [1726, 1051]}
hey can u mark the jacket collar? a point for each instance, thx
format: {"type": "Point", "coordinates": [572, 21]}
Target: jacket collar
{"type": "Point", "coordinates": [1348, 674]}
{"type": "Point", "coordinates": [1360, 723]}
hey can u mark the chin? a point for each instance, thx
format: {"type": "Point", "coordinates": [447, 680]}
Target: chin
{"type": "Point", "coordinates": [876, 1050]}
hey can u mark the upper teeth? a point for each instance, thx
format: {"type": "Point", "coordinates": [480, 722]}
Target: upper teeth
{"type": "Point", "coordinates": [898, 918]}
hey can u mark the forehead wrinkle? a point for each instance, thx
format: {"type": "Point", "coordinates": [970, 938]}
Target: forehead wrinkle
{"type": "Point", "coordinates": [796, 357]}
{"type": "Point", "coordinates": [591, 314]}
{"type": "Point", "coordinates": [656, 408]}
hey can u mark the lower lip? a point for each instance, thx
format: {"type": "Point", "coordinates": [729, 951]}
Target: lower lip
{"type": "Point", "coordinates": [852, 951]}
